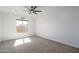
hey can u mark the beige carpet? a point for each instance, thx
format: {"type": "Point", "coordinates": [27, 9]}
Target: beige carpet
{"type": "Point", "coordinates": [35, 44]}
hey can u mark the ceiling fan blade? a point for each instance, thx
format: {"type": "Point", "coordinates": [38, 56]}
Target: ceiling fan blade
{"type": "Point", "coordinates": [37, 11]}
{"type": "Point", "coordinates": [33, 8]}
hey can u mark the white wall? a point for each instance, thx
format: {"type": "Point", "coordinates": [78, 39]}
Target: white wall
{"type": "Point", "coordinates": [9, 27]}
{"type": "Point", "coordinates": [60, 24]}
{"type": "Point", "coordinates": [1, 17]}
{"type": "Point", "coordinates": [0, 27]}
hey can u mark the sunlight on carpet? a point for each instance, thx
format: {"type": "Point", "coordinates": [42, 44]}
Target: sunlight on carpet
{"type": "Point", "coordinates": [22, 41]}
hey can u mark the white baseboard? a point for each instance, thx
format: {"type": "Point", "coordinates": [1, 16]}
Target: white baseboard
{"type": "Point", "coordinates": [50, 38]}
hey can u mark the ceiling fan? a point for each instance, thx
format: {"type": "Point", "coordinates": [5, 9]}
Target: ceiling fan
{"type": "Point", "coordinates": [32, 9]}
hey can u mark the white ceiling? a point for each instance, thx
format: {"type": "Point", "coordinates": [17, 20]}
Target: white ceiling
{"type": "Point", "coordinates": [15, 9]}
{"type": "Point", "coordinates": [20, 10]}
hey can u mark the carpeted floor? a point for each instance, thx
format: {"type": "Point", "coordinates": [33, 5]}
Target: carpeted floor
{"type": "Point", "coordinates": [35, 44]}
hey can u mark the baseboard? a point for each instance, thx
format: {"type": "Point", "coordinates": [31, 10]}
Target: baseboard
{"type": "Point", "coordinates": [49, 38]}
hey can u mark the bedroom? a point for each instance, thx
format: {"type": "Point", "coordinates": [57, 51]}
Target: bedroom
{"type": "Point", "coordinates": [53, 30]}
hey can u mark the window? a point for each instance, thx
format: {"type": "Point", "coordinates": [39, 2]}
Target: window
{"type": "Point", "coordinates": [21, 25]}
